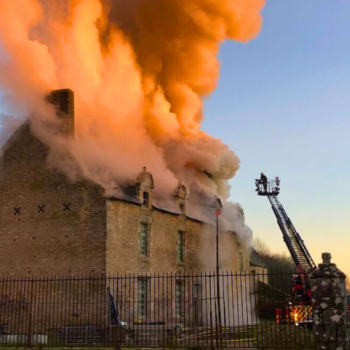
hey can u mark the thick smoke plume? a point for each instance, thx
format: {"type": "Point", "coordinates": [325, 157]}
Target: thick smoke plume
{"type": "Point", "coordinates": [140, 70]}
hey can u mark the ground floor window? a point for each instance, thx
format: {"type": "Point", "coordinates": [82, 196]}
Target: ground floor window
{"type": "Point", "coordinates": [179, 296]}
{"type": "Point", "coordinates": [197, 304]}
{"type": "Point", "coordinates": [142, 298]}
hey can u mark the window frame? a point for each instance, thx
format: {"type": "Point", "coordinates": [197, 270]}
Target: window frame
{"type": "Point", "coordinates": [179, 299]}
{"type": "Point", "coordinates": [197, 299]}
{"type": "Point", "coordinates": [180, 249]}
{"type": "Point", "coordinates": [142, 297]}
{"type": "Point", "coordinates": [182, 207]}
{"type": "Point", "coordinates": [144, 237]}
{"type": "Point", "coordinates": [146, 199]}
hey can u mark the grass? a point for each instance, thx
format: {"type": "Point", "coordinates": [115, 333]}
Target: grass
{"type": "Point", "coordinates": [267, 335]}
{"type": "Point", "coordinates": [286, 336]}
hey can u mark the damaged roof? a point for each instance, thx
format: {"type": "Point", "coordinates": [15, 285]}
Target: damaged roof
{"type": "Point", "coordinates": [256, 259]}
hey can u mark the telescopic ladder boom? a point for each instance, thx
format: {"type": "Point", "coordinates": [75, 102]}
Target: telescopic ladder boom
{"type": "Point", "coordinates": [295, 245]}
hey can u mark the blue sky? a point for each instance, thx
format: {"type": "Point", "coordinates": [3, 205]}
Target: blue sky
{"type": "Point", "coordinates": [283, 105]}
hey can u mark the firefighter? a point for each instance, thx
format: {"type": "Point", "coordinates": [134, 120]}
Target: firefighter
{"type": "Point", "coordinates": [263, 181]}
{"type": "Point", "coordinates": [278, 181]}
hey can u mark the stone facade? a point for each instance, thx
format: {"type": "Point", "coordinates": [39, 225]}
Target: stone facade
{"type": "Point", "coordinates": [51, 226]}
{"type": "Point", "coordinates": [48, 225]}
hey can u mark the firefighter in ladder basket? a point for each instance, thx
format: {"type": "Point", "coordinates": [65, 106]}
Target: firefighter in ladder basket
{"type": "Point", "coordinates": [263, 181]}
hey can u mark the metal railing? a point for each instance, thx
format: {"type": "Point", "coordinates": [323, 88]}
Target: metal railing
{"type": "Point", "coordinates": [158, 310]}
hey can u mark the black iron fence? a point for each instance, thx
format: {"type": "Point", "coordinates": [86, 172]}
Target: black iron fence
{"type": "Point", "coordinates": [168, 310]}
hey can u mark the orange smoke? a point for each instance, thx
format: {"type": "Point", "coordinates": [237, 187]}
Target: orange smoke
{"type": "Point", "coordinates": [139, 70]}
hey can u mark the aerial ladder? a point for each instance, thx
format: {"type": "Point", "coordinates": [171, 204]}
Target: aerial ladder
{"type": "Point", "coordinates": [296, 246]}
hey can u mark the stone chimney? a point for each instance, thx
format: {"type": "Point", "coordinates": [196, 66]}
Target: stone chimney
{"type": "Point", "coordinates": [63, 100]}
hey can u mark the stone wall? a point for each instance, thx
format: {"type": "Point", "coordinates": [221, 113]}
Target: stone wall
{"type": "Point", "coordinates": [123, 241]}
{"type": "Point", "coordinates": [48, 225]}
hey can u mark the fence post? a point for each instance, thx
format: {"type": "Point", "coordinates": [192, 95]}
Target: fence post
{"type": "Point", "coordinates": [109, 316]}
{"type": "Point", "coordinates": [329, 305]}
{"type": "Point", "coordinates": [30, 321]}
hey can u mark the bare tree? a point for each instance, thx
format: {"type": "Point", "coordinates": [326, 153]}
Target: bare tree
{"type": "Point", "coordinates": [260, 246]}
{"type": "Point", "coordinates": [280, 266]}
{"type": "Point", "coordinates": [348, 284]}
{"type": "Point", "coordinates": [274, 261]}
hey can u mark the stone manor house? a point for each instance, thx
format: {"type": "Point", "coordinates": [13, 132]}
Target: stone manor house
{"type": "Point", "coordinates": [51, 226]}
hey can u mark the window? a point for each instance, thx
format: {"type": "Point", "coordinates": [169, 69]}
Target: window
{"type": "Point", "coordinates": [197, 291]}
{"type": "Point", "coordinates": [146, 199]}
{"type": "Point", "coordinates": [197, 303]}
{"type": "Point", "coordinates": [142, 297]}
{"type": "Point", "coordinates": [179, 299]}
{"type": "Point", "coordinates": [241, 261]}
{"type": "Point", "coordinates": [144, 234]}
{"type": "Point", "coordinates": [182, 207]}
{"type": "Point", "coordinates": [181, 246]}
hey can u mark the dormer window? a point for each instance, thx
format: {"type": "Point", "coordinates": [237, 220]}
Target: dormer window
{"type": "Point", "coordinates": [144, 187]}
{"type": "Point", "coordinates": [146, 199]}
{"type": "Point", "coordinates": [181, 196]}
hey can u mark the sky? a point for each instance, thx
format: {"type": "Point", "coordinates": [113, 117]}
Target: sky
{"type": "Point", "coordinates": [283, 106]}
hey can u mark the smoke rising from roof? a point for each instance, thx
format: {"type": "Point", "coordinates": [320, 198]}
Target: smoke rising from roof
{"type": "Point", "coordinates": [140, 70]}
